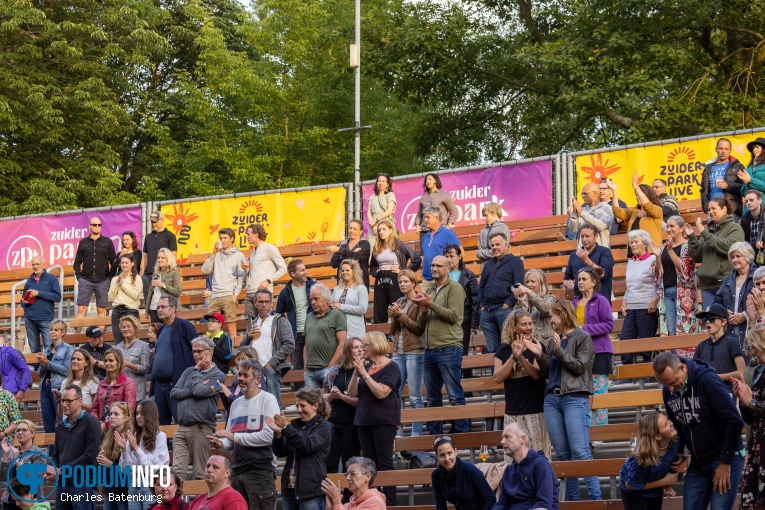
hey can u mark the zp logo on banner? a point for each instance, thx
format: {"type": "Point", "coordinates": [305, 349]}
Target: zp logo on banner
{"type": "Point", "coordinates": [32, 474]}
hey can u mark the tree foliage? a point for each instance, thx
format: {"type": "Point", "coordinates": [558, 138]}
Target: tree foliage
{"type": "Point", "coordinates": [501, 78]}
{"type": "Point", "coordinates": [125, 100]}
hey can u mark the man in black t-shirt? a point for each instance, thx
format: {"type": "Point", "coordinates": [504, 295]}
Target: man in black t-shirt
{"type": "Point", "coordinates": [97, 349]}
{"type": "Point", "coordinates": [159, 237]}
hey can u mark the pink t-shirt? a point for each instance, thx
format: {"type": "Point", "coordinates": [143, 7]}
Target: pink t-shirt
{"type": "Point", "coordinates": [227, 498]}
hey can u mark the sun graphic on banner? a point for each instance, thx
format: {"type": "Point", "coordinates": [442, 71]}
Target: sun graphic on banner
{"type": "Point", "coordinates": [599, 169]}
{"type": "Point", "coordinates": [250, 203]}
{"type": "Point", "coordinates": [683, 150]}
{"type": "Point", "coordinates": [181, 216]}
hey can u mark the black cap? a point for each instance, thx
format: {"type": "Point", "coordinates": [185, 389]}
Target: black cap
{"type": "Point", "coordinates": [93, 332]}
{"type": "Point", "coordinates": [758, 141]}
{"type": "Point", "coordinates": [714, 310]}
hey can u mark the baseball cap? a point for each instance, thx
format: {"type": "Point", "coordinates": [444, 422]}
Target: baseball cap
{"type": "Point", "coordinates": [156, 216]}
{"type": "Point", "coordinates": [93, 332]}
{"type": "Point", "coordinates": [713, 311]}
{"type": "Point", "coordinates": [216, 317]}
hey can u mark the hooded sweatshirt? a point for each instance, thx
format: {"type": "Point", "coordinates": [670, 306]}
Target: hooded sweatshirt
{"type": "Point", "coordinates": [706, 419]}
{"type": "Point", "coordinates": [372, 499]}
{"type": "Point", "coordinates": [226, 268]}
{"type": "Point", "coordinates": [530, 484]}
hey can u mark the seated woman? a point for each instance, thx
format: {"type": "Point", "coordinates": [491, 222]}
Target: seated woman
{"type": "Point", "coordinates": [458, 482]}
{"type": "Point", "coordinates": [361, 475]}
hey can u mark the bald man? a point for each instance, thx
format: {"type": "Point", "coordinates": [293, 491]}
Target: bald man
{"type": "Point", "coordinates": [591, 211]}
{"type": "Point", "coordinates": [441, 312]}
{"type": "Point", "coordinates": [40, 295]}
{"type": "Point", "coordinates": [92, 263]}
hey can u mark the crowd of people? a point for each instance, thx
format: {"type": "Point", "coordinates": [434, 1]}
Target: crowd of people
{"type": "Point", "coordinates": [105, 403]}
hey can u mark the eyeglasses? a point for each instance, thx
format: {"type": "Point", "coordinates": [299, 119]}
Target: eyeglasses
{"type": "Point", "coordinates": [264, 302]}
{"type": "Point", "coordinates": [69, 401]}
{"type": "Point", "coordinates": [95, 224]}
{"type": "Point", "coordinates": [440, 440]}
{"type": "Point", "coordinates": [352, 473]}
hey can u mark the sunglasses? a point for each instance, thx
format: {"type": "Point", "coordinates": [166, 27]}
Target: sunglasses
{"type": "Point", "coordinates": [440, 440]}
{"type": "Point", "coordinates": [710, 319]}
{"type": "Point", "coordinates": [95, 224]}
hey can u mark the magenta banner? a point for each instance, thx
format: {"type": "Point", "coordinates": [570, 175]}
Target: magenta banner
{"type": "Point", "coordinates": [524, 191]}
{"type": "Point", "coordinates": [55, 237]}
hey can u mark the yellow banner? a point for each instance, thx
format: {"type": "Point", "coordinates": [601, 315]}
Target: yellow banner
{"type": "Point", "coordinates": [289, 218]}
{"type": "Point", "coordinates": [680, 164]}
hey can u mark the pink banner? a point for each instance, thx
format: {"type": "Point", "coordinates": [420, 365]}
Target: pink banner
{"type": "Point", "coordinates": [56, 237]}
{"type": "Point", "coordinates": [524, 191]}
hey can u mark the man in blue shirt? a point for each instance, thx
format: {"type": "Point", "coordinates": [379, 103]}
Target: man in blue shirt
{"type": "Point", "coordinates": [436, 239]}
{"type": "Point", "coordinates": [590, 255]}
{"type": "Point", "coordinates": [495, 292]}
{"type": "Point", "coordinates": [39, 310]}
{"type": "Point", "coordinates": [720, 178]}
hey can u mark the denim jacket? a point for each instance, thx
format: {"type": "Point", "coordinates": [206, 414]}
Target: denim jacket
{"type": "Point", "coordinates": [58, 365]}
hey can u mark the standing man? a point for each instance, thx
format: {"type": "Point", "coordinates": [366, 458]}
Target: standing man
{"type": "Point", "coordinates": [605, 196]}
{"type": "Point", "coordinates": [709, 424]}
{"type": "Point", "coordinates": [159, 237]}
{"type": "Point", "coordinates": [669, 204]}
{"type": "Point", "coordinates": [441, 313]}
{"type": "Point", "coordinates": [266, 265]}
{"type": "Point", "coordinates": [436, 239]}
{"type": "Point", "coordinates": [293, 302]}
{"type": "Point", "coordinates": [592, 212]}
{"type": "Point", "coordinates": [590, 255]}
{"type": "Point", "coordinates": [225, 265]}
{"type": "Point", "coordinates": [325, 332]}
{"type": "Point", "coordinates": [92, 263]}
{"type": "Point", "coordinates": [495, 292]}
{"type": "Point", "coordinates": [197, 395]}
{"type": "Point", "coordinates": [720, 178]}
{"type": "Point", "coordinates": [172, 356]}
{"type": "Point", "coordinates": [77, 443]}
{"type": "Point", "coordinates": [220, 495]}
{"type": "Point", "coordinates": [253, 474]}
{"type": "Point", "coordinates": [751, 221]}
{"type": "Point", "coordinates": [96, 349]}
{"type": "Point", "coordinates": [40, 305]}
{"type": "Point", "coordinates": [271, 335]}
{"type": "Point", "coordinates": [529, 481]}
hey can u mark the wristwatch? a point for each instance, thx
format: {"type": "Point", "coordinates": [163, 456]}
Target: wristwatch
{"type": "Point", "coordinates": [269, 280]}
{"type": "Point", "coordinates": [752, 403]}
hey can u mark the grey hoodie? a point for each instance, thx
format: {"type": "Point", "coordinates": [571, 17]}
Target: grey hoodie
{"type": "Point", "coordinates": [226, 268]}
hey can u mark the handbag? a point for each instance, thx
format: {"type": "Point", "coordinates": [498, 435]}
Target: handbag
{"type": "Point", "coordinates": [419, 460]}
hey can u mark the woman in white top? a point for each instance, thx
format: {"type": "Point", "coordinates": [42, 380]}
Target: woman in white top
{"type": "Point", "coordinates": [125, 294]}
{"type": "Point", "coordinates": [352, 297]}
{"type": "Point", "coordinates": [81, 374]}
{"type": "Point", "coordinates": [147, 447]}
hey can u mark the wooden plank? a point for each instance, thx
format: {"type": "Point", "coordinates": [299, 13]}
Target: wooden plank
{"type": "Point", "coordinates": [461, 441]}
{"type": "Point", "coordinates": [449, 413]}
{"type": "Point", "coordinates": [634, 371]}
{"type": "Point", "coordinates": [664, 343]}
{"type": "Point", "coordinates": [626, 399]}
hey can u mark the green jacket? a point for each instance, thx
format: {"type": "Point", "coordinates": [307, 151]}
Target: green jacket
{"type": "Point", "coordinates": [712, 251]}
{"type": "Point", "coordinates": [442, 323]}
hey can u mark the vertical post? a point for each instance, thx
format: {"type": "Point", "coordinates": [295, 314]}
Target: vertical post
{"type": "Point", "coordinates": [571, 176]}
{"type": "Point", "coordinates": [564, 183]}
{"type": "Point", "coordinates": [357, 135]}
{"type": "Point", "coordinates": [558, 189]}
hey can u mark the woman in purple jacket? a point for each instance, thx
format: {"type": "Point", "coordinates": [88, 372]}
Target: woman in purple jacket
{"type": "Point", "coordinates": [593, 313]}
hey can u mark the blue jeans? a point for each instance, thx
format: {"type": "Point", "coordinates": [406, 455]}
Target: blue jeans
{"type": "Point", "coordinates": [443, 367]}
{"type": "Point", "coordinates": [698, 490]}
{"type": "Point", "coordinates": [670, 303]}
{"type": "Point", "coordinates": [289, 502]}
{"type": "Point", "coordinates": [315, 377]}
{"type": "Point", "coordinates": [491, 324]}
{"type": "Point", "coordinates": [273, 383]}
{"type": "Point", "coordinates": [410, 366]}
{"type": "Point", "coordinates": [707, 298]}
{"type": "Point", "coordinates": [568, 424]}
{"type": "Point", "coordinates": [48, 406]}
{"type": "Point", "coordinates": [166, 407]}
{"type": "Point", "coordinates": [35, 330]}
{"type": "Point", "coordinates": [141, 505]}
{"type": "Point", "coordinates": [70, 503]}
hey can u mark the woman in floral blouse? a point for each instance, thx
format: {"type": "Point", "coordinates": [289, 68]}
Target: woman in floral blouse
{"type": "Point", "coordinates": [9, 413]}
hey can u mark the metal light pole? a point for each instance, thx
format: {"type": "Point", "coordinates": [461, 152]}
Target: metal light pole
{"type": "Point", "coordinates": [355, 62]}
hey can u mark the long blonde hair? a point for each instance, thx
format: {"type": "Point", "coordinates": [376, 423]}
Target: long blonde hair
{"type": "Point", "coordinates": [647, 452]}
{"type": "Point", "coordinates": [357, 276]}
{"type": "Point", "coordinates": [109, 445]}
{"type": "Point", "coordinates": [390, 244]}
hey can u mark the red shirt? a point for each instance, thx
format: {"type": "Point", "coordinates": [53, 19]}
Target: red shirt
{"type": "Point", "coordinates": [227, 498]}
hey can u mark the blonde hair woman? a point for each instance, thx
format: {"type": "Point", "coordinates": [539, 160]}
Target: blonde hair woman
{"type": "Point", "coordinates": [54, 368]}
{"type": "Point", "coordinates": [351, 297]}
{"type": "Point", "coordinates": [535, 297]}
{"type": "Point", "coordinates": [389, 256]}
{"type": "Point", "coordinates": [112, 448]}
{"type": "Point", "coordinates": [25, 435]}
{"type": "Point", "coordinates": [166, 281]}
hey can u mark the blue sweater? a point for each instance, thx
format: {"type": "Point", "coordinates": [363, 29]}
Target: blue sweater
{"type": "Point", "coordinates": [705, 416]}
{"type": "Point", "coordinates": [638, 476]}
{"type": "Point", "coordinates": [48, 294]}
{"type": "Point", "coordinates": [441, 239]}
{"type": "Point", "coordinates": [600, 256]}
{"type": "Point", "coordinates": [530, 484]}
{"type": "Point", "coordinates": [472, 490]}
{"type": "Point", "coordinates": [180, 339]}
{"type": "Point", "coordinates": [492, 291]}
